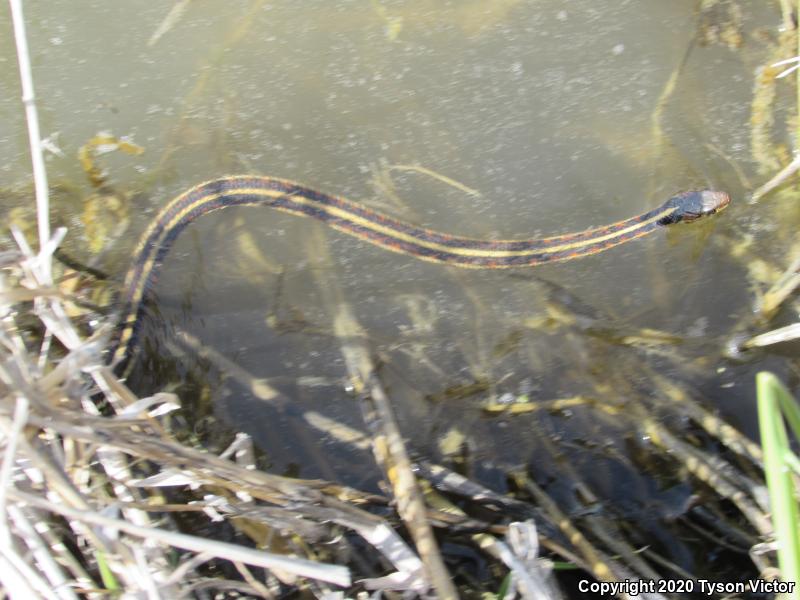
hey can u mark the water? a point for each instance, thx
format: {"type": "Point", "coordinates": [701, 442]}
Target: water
{"type": "Point", "coordinates": [550, 111]}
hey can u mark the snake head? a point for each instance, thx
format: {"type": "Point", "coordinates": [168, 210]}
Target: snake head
{"type": "Point", "coordinates": [690, 206]}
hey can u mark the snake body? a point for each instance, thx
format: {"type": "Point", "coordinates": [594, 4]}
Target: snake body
{"type": "Point", "coordinates": [379, 229]}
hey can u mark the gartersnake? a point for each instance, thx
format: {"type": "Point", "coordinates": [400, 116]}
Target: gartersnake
{"type": "Point", "coordinates": [379, 229]}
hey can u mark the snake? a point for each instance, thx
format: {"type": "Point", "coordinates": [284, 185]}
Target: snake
{"type": "Point", "coordinates": [378, 229]}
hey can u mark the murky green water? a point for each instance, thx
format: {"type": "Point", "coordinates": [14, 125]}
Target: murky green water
{"type": "Point", "coordinates": [548, 110]}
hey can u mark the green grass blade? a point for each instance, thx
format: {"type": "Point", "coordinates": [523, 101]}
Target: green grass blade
{"type": "Point", "coordinates": [772, 398]}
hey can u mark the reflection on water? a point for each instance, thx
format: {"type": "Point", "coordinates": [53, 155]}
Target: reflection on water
{"type": "Point", "coordinates": [559, 116]}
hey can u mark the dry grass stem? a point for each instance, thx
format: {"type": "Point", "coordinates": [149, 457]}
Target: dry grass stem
{"type": "Point", "coordinates": [32, 119]}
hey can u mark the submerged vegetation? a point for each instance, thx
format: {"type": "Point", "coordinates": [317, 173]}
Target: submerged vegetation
{"type": "Point", "coordinates": [103, 492]}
